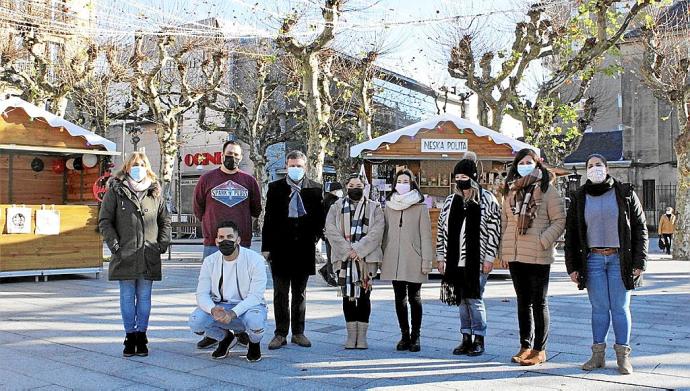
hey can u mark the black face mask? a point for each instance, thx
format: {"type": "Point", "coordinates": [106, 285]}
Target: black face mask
{"type": "Point", "coordinates": [230, 162]}
{"type": "Point", "coordinates": [464, 184]}
{"type": "Point", "coordinates": [668, 214]}
{"type": "Point", "coordinates": [355, 194]}
{"type": "Point", "coordinates": [227, 247]}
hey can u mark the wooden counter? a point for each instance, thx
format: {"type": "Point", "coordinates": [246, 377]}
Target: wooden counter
{"type": "Point", "coordinates": [78, 246]}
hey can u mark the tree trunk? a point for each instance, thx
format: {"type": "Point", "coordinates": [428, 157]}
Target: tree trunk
{"type": "Point", "coordinates": [681, 237]}
{"type": "Point", "coordinates": [263, 179]}
{"type": "Point", "coordinates": [167, 139]}
{"type": "Point", "coordinates": [316, 118]}
{"type": "Point", "coordinates": [497, 119]}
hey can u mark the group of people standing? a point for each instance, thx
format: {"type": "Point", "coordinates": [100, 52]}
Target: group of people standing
{"type": "Point", "coordinates": [605, 251]}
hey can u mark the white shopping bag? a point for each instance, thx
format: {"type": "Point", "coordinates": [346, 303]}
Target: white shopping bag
{"type": "Point", "coordinates": [18, 220]}
{"type": "Point", "coordinates": [47, 222]}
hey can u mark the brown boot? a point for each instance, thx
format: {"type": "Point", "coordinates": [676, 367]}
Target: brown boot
{"type": "Point", "coordinates": [351, 341]}
{"type": "Point", "coordinates": [362, 328]}
{"type": "Point", "coordinates": [301, 340]}
{"type": "Point", "coordinates": [521, 355]}
{"type": "Point", "coordinates": [535, 357]}
{"type": "Point", "coordinates": [623, 359]}
{"type": "Point", "coordinates": [598, 359]}
{"type": "Point", "coordinates": [277, 342]}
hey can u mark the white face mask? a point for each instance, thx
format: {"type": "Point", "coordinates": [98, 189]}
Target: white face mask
{"type": "Point", "coordinates": [296, 173]}
{"type": "Point", "coordinates": [525, 169]}
{"type": "Point", "coordinates": [138, 173]}
{"type": "Point", "coordinates": [597, 174]}
{"type": "Point", "coordinates": [402, 188]}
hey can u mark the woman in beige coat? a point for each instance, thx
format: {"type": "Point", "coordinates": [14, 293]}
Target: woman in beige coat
{"type": "Point", "coordinates": [407, 253]}
{"type": "Point", "coordinates": [354, 229]}
{"type": "Point", "coordinates": [533, 220]}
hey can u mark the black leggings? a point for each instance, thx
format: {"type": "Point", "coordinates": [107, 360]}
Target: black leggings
{"type": "Point", "coordinates": [531, 283]}
{"type": "Point", "coordinates": [357, 310]}
{"type": "Point", "coordinates": [403, 290]}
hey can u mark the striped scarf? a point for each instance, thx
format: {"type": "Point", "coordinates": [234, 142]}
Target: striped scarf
{"type": "Point", "coordinates": [296, 207]}
{"type": "Point", "coordinates": [352, 278]}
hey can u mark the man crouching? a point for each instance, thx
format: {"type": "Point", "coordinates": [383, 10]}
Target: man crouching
{"type": "Point", "coordinates": [230, 295]}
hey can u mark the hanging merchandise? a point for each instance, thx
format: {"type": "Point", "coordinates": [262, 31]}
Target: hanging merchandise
{"type": "Point", "coordinates": [18, 220]}
{"type": "Point", "coordinates": [78, 164]}
{"type": "Point", "coordinates": [47, 221]}
{"type": "Point", "coordinates": [58, 166]}
{"type": "Point", "coordinates": [100, 187]}
{"type": "Point", "coordinates": [37, 165]}
{"type": "Point", "coordinates": [69, 164]}
{"type": "Point", "coordinates": [89, 160]}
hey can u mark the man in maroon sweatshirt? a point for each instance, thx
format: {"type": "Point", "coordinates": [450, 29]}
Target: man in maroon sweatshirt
{"type": "Point", "coordinates": [226, 194]}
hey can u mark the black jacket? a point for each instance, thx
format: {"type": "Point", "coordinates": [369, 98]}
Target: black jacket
{"type": "Point", "coordinates": [136, 232]}
{"type": "Point", "coordinates": [632, 232]}
{"type": "Point", "coordinates": [292, 241]}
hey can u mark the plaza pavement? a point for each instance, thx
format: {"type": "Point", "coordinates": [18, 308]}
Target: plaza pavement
{"type": "Point", "coordinates": [67, 334]}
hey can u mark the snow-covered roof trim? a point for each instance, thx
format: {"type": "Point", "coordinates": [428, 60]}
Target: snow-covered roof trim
{"type": "Point", "coordinates": [431, 123]}
{"type": "Point", "coordinates": [56, 122]}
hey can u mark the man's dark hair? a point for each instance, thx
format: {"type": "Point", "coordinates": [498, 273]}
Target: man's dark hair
{"type": "Point", "coordinates": [295, 155]}
{"type": "Point", "coordinates": [230, 142]}
{"type": "Point", "coordinates": [228, 224]}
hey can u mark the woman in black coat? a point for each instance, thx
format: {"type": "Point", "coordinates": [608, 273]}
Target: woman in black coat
{"type": "Point", "coordinates": [606, 252]}
{"type": "Point", "coordinates": [135, 225]}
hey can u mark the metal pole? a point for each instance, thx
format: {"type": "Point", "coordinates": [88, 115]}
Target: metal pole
{"type": "Point", "coordinates": [124, 131]}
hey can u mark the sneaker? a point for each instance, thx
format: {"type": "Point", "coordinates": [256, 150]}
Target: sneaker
{"type": "Point", "coordinates": [277, 342]}
{"type": "Point", "coordinates": [130, 345]}
{"type": "Point", "coordinates": [254, 352]}
{"type": "Point", "coordinates": [301, 340]}
{"type": "Point", "coordinates": [243, 338]}
{"type": "Point", "coordinates": [225, 345]}
{"type": "Point", "coordinates": [206, 343]}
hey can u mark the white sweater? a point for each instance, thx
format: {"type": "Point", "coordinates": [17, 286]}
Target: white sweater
{"type": "Point", "coordinates": [251, 275]}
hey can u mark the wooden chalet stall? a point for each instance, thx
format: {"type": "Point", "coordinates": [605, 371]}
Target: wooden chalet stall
{"type": "Point", "coordinates": [431, 148]}
{"type": "Point", "coordinates": [48, 164]}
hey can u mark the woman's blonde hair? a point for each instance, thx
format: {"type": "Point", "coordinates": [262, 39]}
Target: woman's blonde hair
{"type": "Point", "coordinates": [133, 157]}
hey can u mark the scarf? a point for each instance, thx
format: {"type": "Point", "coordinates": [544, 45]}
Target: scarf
{"type": "Point", "coordinates": [597, 189]}
{"type": "Point", "coordinates": [525, 197]}
{"type": "Point", "coordinates": [352, 277]}
{"type": "Point", "coordinates": [296, 207]}
{"type": "Point", "coordinates": [458, 282]}
{"type": "Point", "coordinates": [404, 201]}
{"type": "Point", "coordinates": [139, 188]}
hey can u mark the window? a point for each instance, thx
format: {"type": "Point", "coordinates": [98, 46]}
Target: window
{"type": "Point", "coordinates": [648, 194]}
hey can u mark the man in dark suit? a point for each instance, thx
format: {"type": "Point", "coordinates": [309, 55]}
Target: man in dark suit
{"type": "Point", "coordinates": [293, 223]}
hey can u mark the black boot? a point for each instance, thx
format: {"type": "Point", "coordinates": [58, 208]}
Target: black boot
{"type": "Point", "coordinates": [464, 346]}
{"type": "Point", "coordinates": [404, 343]}
{"type": "Point", "coordinates": [142, 349]}
{"type": "Point", "coordinates": [130, 345]}
{"type": "Point", "coordinates": [254, 352]}
{"type": "Point", "coordinates": [477, 348]}
{"type": "Point", "coordinates": [414, 342]}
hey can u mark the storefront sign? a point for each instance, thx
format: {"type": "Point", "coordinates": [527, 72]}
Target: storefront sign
{"type": "Point", "coordinates": [203, 159]}
{"type": "Point", "coordinates": [444, 145]}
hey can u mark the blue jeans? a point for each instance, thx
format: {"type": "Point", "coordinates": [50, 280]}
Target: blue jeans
{"type": "Point", "coordinates": [135, 304]}
{"type": "Point", "coordinates": [253, 322]}
{"type": "Point", "coordinates": [473, 312]}
{"type": "Point", "coordinates": [609, 298]}
{"type": "Point", "coordinates": [208, 250]}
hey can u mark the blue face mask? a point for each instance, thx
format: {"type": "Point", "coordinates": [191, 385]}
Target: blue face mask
{"type": "Point", "coordinates": [138, 173]}
{"type": "Point", "coordinates": [525, 169]}
{"type": "Point", "coordinates": [296, 173]}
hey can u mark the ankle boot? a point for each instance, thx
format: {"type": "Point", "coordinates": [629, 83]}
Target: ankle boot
{"type": "Point", "coordinates": [362, 328]}
{"type": "Point", "coordinates": [464, 346]}
{"type": "Point", "coordinates": [521, 355]}
{"type": "Point", "coordinates": [598, 359]}
{"type": "Point", "coordinates": [477, 348]}
{"type": "Point", "coordinates": [142, 349]}
{"type": "Point", "coordinates": [130, 345]}
{"type": "Point", "coordinates": [351, 341]}
{"type": "Point", "coordinates": [623, 359]}
{"type": "Point", "coordinates": [404, 343]}
{"type": "Point", "coordinates": [535, 357]}
{"type": "Point", "coordinates": [414, 342]}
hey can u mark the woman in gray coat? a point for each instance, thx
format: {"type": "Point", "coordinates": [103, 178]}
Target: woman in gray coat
{"type": "Point", "coordinates": [135, 225]}
{"type": "Point", "coordinates": [354, 228]}
{"type": "Point", "coordinates": [407, 253]}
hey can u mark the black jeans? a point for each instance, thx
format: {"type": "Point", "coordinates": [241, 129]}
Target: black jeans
{"type": "Point", "coordinates": [357, 310]}
{"type": "Point", "coordinates": [281, 307]}
{"type": "Point", "coordinates": [531, 284]}
{"type": "Point", "coordinates": [667, 239]}
{"type": "Point", "coordinates": [404, 290]}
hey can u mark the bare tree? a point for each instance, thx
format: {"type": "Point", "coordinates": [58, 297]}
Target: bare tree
{"type": "Point", "coordinates": [665, 68]}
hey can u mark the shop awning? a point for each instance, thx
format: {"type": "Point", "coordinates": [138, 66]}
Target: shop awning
{"type": "Point", "coordinates": [431, 123]}
{"type": "Point", "coordinates": [56, 122]}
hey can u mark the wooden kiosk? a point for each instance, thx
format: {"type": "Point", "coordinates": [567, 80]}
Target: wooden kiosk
{"type": "Point", "coordinates": [48, 163]}
{"type": "Point", "coordinates": [431, 149]}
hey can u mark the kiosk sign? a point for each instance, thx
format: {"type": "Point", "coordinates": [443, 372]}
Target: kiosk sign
{"type": "Point", "coordinates": [444, 145]}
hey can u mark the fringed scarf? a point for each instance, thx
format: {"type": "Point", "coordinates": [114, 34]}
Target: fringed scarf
{"type": "Point", "coordinates": [460, 283]}
{"type": "Point", "coordinates": [525, 197]}
{"type": "Point", "coordinates": [296, 207]}
{"type": "Point", "coordinates": [352, 277]}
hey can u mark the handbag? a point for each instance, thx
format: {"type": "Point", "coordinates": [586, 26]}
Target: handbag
{"type": "Point", "coordinates": [326, 272]}
{"type": "Point", "coordinates": [662, 244]}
